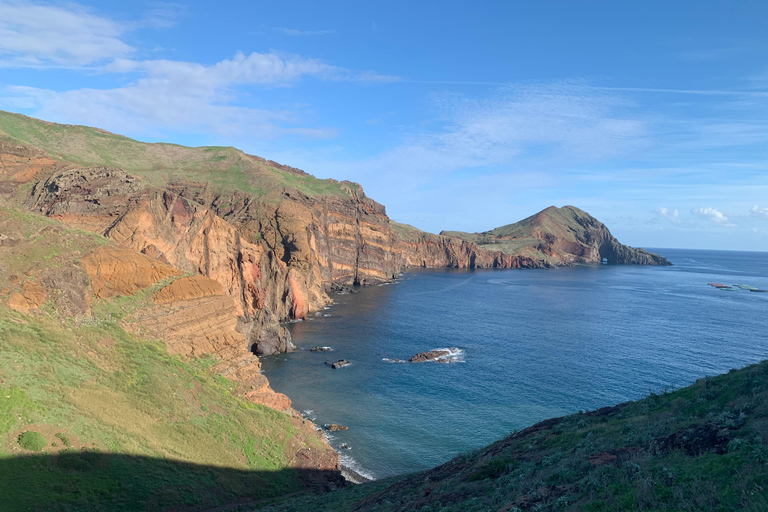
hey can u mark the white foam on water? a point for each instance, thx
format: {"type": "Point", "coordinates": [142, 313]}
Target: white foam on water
{"type": "Point", "coordinates": [348, 461]}
{"type": "Point", "coordinates": [454, 355]}
{"type": "Point", "coordinates": [388, 360]}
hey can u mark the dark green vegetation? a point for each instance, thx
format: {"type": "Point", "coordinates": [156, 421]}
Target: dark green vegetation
{"type": "Point", "coordinates": [704, 447]}
{"type": "Point", "coordinates": [32, 441]}
{"type": "Point", "coordinates": [115, 422]}
{"type": "Point", "coordinates": [224, 168]}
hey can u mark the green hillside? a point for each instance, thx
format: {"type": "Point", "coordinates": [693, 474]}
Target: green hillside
{"type": "Point", "coordinates": [704, 447]}
{"type": "Point", "coordinates": [225, 168]}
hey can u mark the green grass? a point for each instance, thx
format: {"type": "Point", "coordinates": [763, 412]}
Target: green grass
{"type": "Point", "coordinates": [129, 396]}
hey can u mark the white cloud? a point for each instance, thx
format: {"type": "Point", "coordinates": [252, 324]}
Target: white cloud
{"type": "Point", "coordinates": [40, 35]}
{"type": "Point", "coordinates": [759, 213]}
{"type": "Point", "coordinates": [295, 32]}
{"type": "Point", "coordinates": [672, 215]}
{"type": "Point", "coordinates": [187, 96]}
{"type": "Point", "coordinates": [713, 215]}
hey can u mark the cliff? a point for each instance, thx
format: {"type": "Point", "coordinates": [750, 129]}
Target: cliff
{"type": "Point", "coordinates": [277, 239]}
{"type": "Point", "coordinates": [560, 236]}
{"type": "Point", "coordinates": [421, 249]}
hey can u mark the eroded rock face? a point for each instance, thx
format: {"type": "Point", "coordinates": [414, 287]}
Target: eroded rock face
{"type": "Point", "coordinates": [277, 259]}
{"type": "Point", "coordinates": [421, 249]}
{"type": "Point", "coordinates": [121, 271]}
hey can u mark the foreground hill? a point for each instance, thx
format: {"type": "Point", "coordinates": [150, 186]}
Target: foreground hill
{"type": "Point", "coordinates": [704, 447]}
{"type": "Point", "coordinates": [560, 236]}
{"type": "Point", "coordinates": [100, 407]}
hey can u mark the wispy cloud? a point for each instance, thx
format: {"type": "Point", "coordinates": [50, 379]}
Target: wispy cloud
{"type": "Point", "coordinates": [297, 33]}
{"type": "Point", "coordinates": [163, 14]}
{"type": "Point", "coordinates": [184, 96]}
{"type": "Point", "coordinates": [671, 215]}
{"type": "Point", "coordinates": [713, 215]}
{"type": "Point", "coordinates": [758, 213]}
{"type": "Point", "coordinates": [518, 122]}
{"type": "Point", "coordinates": [39, 35]}
{"type": "Point", "coordinates": [190, 97]}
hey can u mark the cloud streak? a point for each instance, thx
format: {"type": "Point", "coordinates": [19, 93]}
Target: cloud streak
{"type": "Point", "coordinates": [298, 33]}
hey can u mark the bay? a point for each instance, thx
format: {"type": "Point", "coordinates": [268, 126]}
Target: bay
{"type": "Point", "coordinates": [536, 344]}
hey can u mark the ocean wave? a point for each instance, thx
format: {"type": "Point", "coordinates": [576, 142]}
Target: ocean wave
{"type": "Point", "coordinates": [349, 461]}
{"type": "Point", "coordinates": [388, 360]}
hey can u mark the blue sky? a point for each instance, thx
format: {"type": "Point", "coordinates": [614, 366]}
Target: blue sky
{"type": "Point", "coordinates": [652, 116]}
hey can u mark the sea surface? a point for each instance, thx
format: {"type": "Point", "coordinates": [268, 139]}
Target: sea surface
{"type": "Point", "coordinates": [536, 344]}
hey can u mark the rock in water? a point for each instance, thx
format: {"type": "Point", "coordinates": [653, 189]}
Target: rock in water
{"type": "Point", "coordinates": [320, 349]}
{"type": "Point", "coordinates": [341, 363]}
{"type": "Point", "coordinates": [441, 355]}
{"type": "Point", "coordinates": [333, 427]}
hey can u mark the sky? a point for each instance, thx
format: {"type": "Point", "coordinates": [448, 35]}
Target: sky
{"type": "Point", "coordinates": [652, 116]}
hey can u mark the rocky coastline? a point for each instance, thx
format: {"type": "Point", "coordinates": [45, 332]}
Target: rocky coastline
{"type": "Point", "coordinates": [234, 260]}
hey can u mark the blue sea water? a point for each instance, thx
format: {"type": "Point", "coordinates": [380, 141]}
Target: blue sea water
{"type": "Point", "coordinates": [536, 344]}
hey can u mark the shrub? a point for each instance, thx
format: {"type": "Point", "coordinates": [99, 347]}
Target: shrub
{"type": "Point", "coordinates": [33, 441]}
{"type": "Point", "coordinates": [64, 439]}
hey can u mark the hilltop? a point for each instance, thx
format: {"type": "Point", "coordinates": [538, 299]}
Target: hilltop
{"type": "Point", "coordinates": [560, 236]}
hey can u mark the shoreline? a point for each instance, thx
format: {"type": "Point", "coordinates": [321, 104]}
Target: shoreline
{"type": "Point", "coordinates": [353, 477]}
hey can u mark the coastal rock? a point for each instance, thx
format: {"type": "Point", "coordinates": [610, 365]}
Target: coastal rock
{"type": "Point", "coordinates": [440, 355]}
{"type": "Point", "coordinates": [321, 349]}
{"type": "Point", "coordinates": [333, 427]}
{"type": "Point", "coordinates": [341, 363]}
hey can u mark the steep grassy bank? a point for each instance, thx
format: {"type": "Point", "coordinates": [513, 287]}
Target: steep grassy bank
{"type": "Point", "coordinates": [704, 447]}
{"type": "Point", "coordinates": [94, 390]}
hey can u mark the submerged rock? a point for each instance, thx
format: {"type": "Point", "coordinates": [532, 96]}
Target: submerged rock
{"type": "Point", "coordinates": [341, 363]}
{"type": "Point", "coordinates": [320, 349]}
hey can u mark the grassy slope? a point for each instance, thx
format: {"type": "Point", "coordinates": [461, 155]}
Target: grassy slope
{"type": "Point", "coordinates": [226, 168]}
{"type": "Point", "coordinates": [704, 447]}
{"type": "Point", "coordinates": [517, 238]}
{"type": "Point", "coordinates": [108, 391]}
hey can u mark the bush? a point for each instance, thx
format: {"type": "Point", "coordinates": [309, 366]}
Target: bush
{"type": "Point", "coordinates": [64, 439]}
{"type": "Point", "coordinates": [33, 441]}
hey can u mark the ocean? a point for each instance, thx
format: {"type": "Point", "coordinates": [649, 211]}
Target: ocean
{"type": "Point", "coordinates": [534, 344]}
